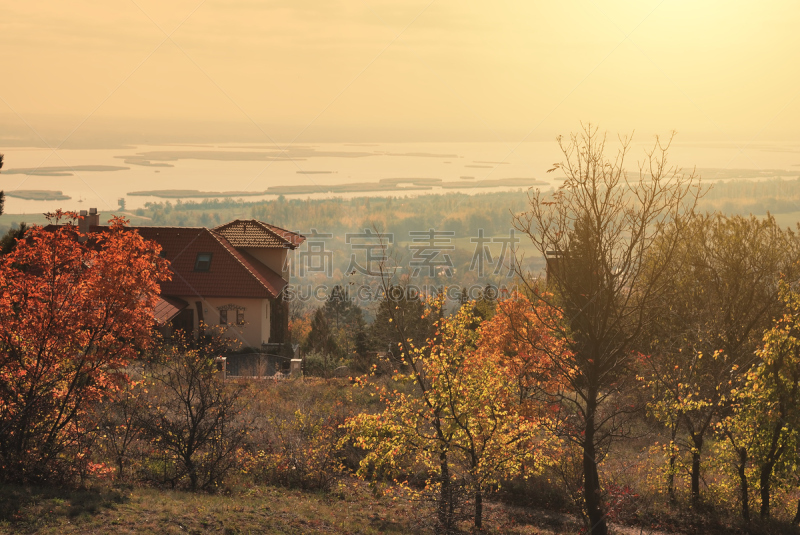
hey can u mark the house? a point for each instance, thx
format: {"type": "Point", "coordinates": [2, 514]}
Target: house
{"type": "Point", "coordinates": [231, 276]}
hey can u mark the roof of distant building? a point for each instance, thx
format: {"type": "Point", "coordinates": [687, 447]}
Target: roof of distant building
{"type": "Point", "coordinates": [254, 233]}
{"type": "Point", "coordinates": [227, 272]}
{"type": "Point", "coordinates": [231, 273]}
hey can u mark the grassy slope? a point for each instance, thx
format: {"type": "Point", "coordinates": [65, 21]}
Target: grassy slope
{"type": "Point", "coordinates": [145, 510]}
{"type": "Point", "coordinates": [350, 510]}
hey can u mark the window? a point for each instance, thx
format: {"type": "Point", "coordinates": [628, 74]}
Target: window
{"type": "Point", "coordinates": [223, 317]}
{"type": "Point", "coordinates": [239, 316]}
{"type": "Point", "coordinates": [203, 262]}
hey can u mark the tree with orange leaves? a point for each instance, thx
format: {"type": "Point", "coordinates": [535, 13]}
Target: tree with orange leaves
{"type": "Point", "coordinates": [74, 309]}
{"type": "Point", "coordinates": [519, 340]}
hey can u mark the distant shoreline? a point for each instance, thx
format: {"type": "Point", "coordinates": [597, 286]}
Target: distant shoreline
{"type": "Point", "coordinates": [384, 185]}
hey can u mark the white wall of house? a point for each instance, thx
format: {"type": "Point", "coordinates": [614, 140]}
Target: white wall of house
{"type": "Point", "coordinates": [275, 259]}
{"type": "Point", "coordinates": [256, 328]}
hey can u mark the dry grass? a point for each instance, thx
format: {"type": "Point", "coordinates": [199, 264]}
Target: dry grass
{"type": "Point", "coordinates": [350, 509]}
{"type": "Point", "coordinates": [148, 510]}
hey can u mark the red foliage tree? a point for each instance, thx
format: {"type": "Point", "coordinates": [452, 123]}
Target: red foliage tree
{"type": "Point", "coordinates": [520, 339]}
{"type": "Point", "coordinates": [73, 310]}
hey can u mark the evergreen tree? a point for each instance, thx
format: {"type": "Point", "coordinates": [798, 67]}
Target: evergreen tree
{"type": "Point", "coordinates": [320, 339]}
{"type": "Point", "coordinates": [9, 239]}
{"type": "Point", "coordinates": [345, 319]}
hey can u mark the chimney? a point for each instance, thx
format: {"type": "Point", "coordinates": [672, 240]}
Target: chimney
{"type": "Point", "coordinates": [88, 220]}
{"type": "Point", "coordinates": [94, 217]}
{"type": "Point", "coordinates": [83, 222]}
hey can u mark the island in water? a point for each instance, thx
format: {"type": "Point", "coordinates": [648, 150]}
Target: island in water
{"type": "Point", "coordinates": [384, 184]}
{"type": "Point", "coordinates": [38, 195]}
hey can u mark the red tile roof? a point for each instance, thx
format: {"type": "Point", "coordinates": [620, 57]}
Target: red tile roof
{"type": "Point", "coordinates": [231, 274]}
{"type": "Point", "coordinates": [268, 278]}
{"type": "Point", "coordinates": [167, 308]}
{"type": "Point", "coordinates": [293, 237]}
{"type": "Point", "coordinates": [254, 233]}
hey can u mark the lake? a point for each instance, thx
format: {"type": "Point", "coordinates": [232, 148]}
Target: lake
{"type": "Point", "coordinates": [98, 178]}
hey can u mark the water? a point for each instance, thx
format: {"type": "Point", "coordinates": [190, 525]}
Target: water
{"type": "Point", "coordinates": [333, 163]}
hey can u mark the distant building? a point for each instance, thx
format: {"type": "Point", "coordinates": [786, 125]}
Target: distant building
{"type": "Point", "coordinates": [552, 263]}
{"type": "Point", "coordinates": [232, 276]}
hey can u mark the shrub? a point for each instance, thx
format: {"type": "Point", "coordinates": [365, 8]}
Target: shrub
{"type": "Point", "coordinates": [297, 431]}
{"type": "Point", "coordinates": [192, 420]}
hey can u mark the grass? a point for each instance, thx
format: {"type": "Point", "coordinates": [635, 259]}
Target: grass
{"type": "Point", "coordinates": [350, 509]}
{"type": "Point", "coordinates": [149, 510]}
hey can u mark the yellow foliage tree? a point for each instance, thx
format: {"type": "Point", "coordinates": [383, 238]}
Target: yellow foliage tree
{"type": "Point", "coordinates": [460, 419]}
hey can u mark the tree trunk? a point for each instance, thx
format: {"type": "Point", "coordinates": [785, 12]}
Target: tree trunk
{"type": "Point", "coordinates": [445, 514]}
{"type": "Point", "coordinates": [766, 469]}
{"type": "Point", "coordinates": [478, 509]}
{"type": "Point", "coordinates": [671, 479]}
{"type": "Point", "coordinates": [796, 519]}
{"type": "Point", "coordinates": [591, 480]}
{"type": "Point", "coordinates": [673, 455]}
{"type": "Point", "coordinates": [698, 449]}
{"type": "Point", "coordinates": [743, 484]}
{"type": "Point", "coordinates": [192, 470]}
{"type": "Point", "coordinates": [764, 480]}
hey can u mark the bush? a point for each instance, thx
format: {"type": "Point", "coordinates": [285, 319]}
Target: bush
{"type": "Point", "coordinates": [296, 436]}
{"type": "Point", "coordinates": [317, 365]}
{"type": "Point", "coordinates": [192, 420]}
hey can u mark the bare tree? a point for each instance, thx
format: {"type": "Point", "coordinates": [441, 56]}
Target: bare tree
{"type": "Point", "coordinates": [193, 416]}
{"type": "Point", "coordinates": [594, 231]}
{"type": "Point", "coordinates": [119, 422]}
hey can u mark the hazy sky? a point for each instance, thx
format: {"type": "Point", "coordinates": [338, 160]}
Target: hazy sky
{"type": "Point", "coordinates": [395, 70]}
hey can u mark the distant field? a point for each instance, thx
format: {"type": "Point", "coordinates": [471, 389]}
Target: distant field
{"type": "Point", "coordinates": [6, 220]}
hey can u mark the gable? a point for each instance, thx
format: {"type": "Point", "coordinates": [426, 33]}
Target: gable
{"type": "Point", "coordinates": [228, 274]}
{"type": "Point", "coordinates": [253, 233]}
